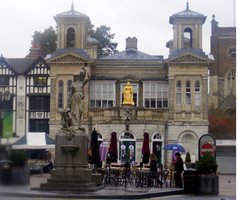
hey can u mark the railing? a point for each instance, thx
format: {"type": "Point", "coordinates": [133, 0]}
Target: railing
{"type": "Point", "coordinates": [136, 178]}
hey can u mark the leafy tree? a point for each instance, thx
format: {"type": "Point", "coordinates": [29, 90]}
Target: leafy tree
{"type": "Point", "coordinates": [221, 124]}
{"type": "Point", "coordinates": [47, 40]}
{"type": "Point", "coordinates": [103, 35]}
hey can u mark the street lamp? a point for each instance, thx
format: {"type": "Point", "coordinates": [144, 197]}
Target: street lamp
{"type": "Point", "coordinates": [127, 121]}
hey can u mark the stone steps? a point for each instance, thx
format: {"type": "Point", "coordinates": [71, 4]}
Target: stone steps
{"type": "Point", "coordinates": [66, 180]}
{"type": "Point", "coordinates": [67, 186]}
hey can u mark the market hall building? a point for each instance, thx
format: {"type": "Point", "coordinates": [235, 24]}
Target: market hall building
{"type": "Point", "coordinates": [170, 95]}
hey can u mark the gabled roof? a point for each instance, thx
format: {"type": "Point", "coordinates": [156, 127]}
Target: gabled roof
{"type": "Point", "coordinates": [81, 53]}
{"type": "Point", "coordinates": [130, 54]}
{"type": "Point", "coordinates": [21, 65]}
{"type": "Point", "coordinates": [190, 56]}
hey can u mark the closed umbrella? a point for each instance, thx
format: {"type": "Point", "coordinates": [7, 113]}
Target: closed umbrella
{"type": "Point", "coordinates": [94, 155]}
{"type": "Point", "coordinates": [113, 148]}
{"type": "Point", "coordinates": [145, 148]}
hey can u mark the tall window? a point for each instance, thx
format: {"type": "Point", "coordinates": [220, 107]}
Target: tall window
{"type": "Point", "coordinates": [188, 92]}
{"type": "Point", "coordinates": [155, 95]}
{"type": "Point", "coordinates": [102, 94]}
{"type": "Point", "coordinates": [231, 83]}
{"type": "Point", "coordinates": [69, 83]}
{"type": "Point", "coordinates": [60, 94]}
{"type": "Point", "coordinates": [178, 93]}
{"type": "Point", "coordinates": [197, 93]}
{"type": "Point", "coordinates": [70, 37]}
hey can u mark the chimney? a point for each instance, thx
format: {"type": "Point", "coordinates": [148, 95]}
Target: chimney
{"type": "Point", "coordinates": [131, 43]}
{"type": "Point", "coordinates": [35, 50]}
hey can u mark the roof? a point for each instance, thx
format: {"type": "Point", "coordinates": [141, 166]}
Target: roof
{"type": "Point", "coordinates": [180, 52]}
{"type": "Point", "coordinates": [80, 52]}
{"type": "Point", "coordinates": [92, 40]}
{"type": "Point", "coordinates": [20, 65]}
{"type": "Point", "coordinates": [71, 13]}
{"type": "Point", "coordinates": [131, 54]}
{"type": "Point", "coordinates": [187, 14]}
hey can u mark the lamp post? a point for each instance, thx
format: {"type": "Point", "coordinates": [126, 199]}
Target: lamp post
{"type": "Point", "coordinates": [127, 121]}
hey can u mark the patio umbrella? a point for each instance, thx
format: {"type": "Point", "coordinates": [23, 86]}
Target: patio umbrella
{"type": "Point", "coordinates": [174, 147]}
{"type": "Point", "coordinates": [94, 155]}
{"type": "Point", "coordinates": [145, 148]}
{"type": "Point", "coordinates": [113, 148]}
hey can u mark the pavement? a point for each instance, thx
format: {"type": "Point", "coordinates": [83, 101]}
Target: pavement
{"type": "Point", "coordinates": [227, 189]}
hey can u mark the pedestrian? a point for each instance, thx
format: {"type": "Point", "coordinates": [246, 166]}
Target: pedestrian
{"type": "Point", "coordinates": [178, 164]}
{"type": "Point", "coordinates": [153, 170]}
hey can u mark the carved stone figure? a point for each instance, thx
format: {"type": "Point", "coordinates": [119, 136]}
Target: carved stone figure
{"type": "Point", "coordinates": [77, 95]}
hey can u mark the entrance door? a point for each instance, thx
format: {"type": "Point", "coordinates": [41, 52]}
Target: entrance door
{"type": "Point", "coordinates": [157, 150]}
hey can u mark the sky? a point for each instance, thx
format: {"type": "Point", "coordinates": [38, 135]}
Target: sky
{"type": "Point", "coordinates": [147, 20]}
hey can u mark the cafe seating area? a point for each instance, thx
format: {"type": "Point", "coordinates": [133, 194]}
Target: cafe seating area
{"type": "Point", "coordinates": [118, 175]}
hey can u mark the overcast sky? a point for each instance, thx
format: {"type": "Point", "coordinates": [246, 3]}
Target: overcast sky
{"type": "Point", "coordinates": [147, 20]}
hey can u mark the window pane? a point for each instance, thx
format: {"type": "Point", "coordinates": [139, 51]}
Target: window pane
{"type": "Point", "coordinates": [178, 98]}
{"type": "Point", "coordinates": [102, 93]}
{"type": "Point", "coordinates": [188, 98]}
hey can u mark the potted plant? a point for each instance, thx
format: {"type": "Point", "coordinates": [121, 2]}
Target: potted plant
{"type": "Point", "coordinates": [20, 171]}
{"type": "Point", "coordinates": [207, 181]}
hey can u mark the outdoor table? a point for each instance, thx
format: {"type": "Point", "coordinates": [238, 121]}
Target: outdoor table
{"type": "Point", "coordinates": [143, 175]}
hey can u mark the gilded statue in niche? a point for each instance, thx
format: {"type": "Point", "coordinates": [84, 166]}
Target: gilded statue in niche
{"type": "Point", "coordinates": [128, 95]}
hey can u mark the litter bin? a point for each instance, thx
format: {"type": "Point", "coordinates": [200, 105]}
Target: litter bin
{"type": "Point", "coordinates": [5, 172]}
{"type": "Point", "coordinates": [189, 177]}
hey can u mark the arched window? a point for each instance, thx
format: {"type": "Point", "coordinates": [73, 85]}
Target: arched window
{"type": "Point", "coordinates": [127, 147]}
{"type": "Point", "coordinates": [69, 83]}
{"type": "Point", "coordinates": [157, 147]}
{"type": "Point", "coordinates": [188, 36]}
{"type": "Point", "coordinates": [60, 94]}
{"type": "Point", "coordinates": [178, 93]}
{"type": "Point", "coordinates": [70, 37]}
{"type": "Point", "coordinates": [197, 94]}
{"type": "Point", "coordinates": [188, 92]}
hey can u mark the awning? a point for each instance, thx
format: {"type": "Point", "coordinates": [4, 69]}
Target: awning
{"type": "Point", "coordinates": [34, 140]}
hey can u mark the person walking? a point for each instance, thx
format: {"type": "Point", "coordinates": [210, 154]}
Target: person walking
{"type": "Point", "coordinates": [178, 164]}
{"type": "Point", "coordinates": [153, 170]}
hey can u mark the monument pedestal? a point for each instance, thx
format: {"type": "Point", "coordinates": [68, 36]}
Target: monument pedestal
{"type": "Point", "coordinates": [71, 171]}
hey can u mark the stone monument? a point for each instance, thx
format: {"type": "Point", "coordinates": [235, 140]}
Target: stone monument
{"type": "Point", "coordinates": [71, 172]}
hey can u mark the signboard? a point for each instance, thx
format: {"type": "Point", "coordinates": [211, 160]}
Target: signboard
{"type": "Point", "coordinates": [207, 143]}
{"type": "Point", "coordinates": [207, 148]}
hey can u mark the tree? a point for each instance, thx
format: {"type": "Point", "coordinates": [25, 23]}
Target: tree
{"type": "Point", "coordinates": [103, 35]}
{"type": "Point", "coordinates": [47, 40]}
{"type": "Point", "coordinates": [221, 124]}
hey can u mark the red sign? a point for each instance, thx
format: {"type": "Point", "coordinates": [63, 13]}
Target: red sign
{"type": "Point", "coordinates": [207, 148]}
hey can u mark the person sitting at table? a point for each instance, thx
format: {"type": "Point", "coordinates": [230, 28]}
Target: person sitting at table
{"type": "Point", "coordinates": [153, 170]}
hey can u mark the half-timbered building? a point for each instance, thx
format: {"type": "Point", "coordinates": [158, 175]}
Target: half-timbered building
{"type": "Point", "coordinates": [25, 96]}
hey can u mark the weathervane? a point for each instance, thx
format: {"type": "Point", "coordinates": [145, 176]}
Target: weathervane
{"type": "Point", "coordinates": [72, 5]}
{"type": "Point", "coordinates": [187, 5]}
